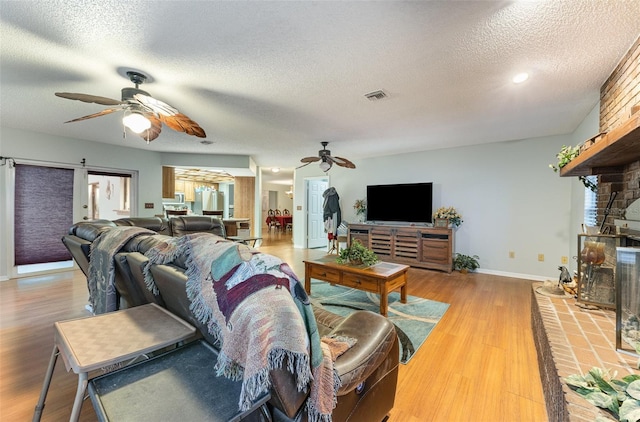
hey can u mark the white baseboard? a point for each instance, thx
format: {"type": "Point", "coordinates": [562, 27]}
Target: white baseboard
{"type": "Point", "coordinates": [513, 275]}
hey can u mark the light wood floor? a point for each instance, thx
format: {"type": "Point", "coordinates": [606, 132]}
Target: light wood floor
{"type": "Point", "coordinates": [478, 364]}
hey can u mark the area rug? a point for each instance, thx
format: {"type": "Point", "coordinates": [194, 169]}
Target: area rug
{"type": "Point", "coordinates": [414, 320]}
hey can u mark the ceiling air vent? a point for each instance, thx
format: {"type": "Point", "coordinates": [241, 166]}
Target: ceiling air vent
{"type": "Point", "coordinates": [376, 95]}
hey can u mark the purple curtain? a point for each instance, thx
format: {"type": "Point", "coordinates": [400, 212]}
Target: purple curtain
{"type": "Point", "coordinates": [43, 213]}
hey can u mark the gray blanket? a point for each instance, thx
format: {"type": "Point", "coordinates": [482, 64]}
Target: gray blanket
{"type": "Point", "coordinates": [102, 289]}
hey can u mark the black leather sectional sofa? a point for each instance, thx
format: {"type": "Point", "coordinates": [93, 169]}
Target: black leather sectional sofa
{"type": "Point", "coordinates": [368, 371]}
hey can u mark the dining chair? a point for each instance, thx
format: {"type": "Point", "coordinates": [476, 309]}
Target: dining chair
{"type": "Point", "coordinates": [171, 213]}
{"type": "Point", "coordinates": [272, 221]}
{"type": "Point", "coordinates": [216, 213]}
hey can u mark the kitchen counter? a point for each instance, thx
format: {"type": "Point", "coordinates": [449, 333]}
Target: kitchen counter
{"type": "Point", "coordinates": [237, 226]}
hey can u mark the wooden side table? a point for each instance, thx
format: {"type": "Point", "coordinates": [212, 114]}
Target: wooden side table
{"type": "Point", "coordinates": [90, 343]}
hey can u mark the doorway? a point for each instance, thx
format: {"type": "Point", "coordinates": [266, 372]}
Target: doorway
{"type": "Point", "coordinates": [109, 195]}
{"type": "Point", "coordinates": [314, 188]}
{"type": "Point", "coordinates": [62, 194]}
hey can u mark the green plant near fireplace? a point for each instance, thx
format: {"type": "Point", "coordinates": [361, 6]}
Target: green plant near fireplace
{"type": "Point", "coordinates": [621, 397]}
{"type": "Point", "coordinates": [564, 157]}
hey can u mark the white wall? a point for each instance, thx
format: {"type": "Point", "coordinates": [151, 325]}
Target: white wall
{"type": "Point", "coordinates": [36, 146]}
{"type": "Point", "coordinates": [4, 218]}
{"type": "Point", "coordinates": [283, 201]}
{"type": "Point", "coordinates": [27, 145]}
{"type": "Point", "coordinates": [508, 196]}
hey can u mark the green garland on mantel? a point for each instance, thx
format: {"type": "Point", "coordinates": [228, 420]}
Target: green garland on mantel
{"type": "Point", "coordinates": [564, 157]}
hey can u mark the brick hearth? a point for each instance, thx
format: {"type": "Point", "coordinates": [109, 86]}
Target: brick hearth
{"type": "Point", "coordinates": [572, 340]}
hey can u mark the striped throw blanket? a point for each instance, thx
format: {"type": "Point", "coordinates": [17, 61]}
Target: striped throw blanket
{"type": "Point", "coordinates": [256, 307]}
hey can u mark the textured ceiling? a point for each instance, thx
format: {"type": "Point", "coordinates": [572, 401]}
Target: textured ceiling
{"type": "Point", "coordinates": [274, 79]}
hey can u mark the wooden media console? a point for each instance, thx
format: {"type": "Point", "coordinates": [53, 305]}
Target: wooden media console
{"type": "Point", "coordinates": [423, 247]}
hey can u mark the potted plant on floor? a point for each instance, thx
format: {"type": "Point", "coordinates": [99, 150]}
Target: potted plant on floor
{"type": "Point", "coordinates": [465, 263]}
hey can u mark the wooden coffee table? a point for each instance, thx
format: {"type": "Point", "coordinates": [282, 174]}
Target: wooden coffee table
{"type": "Point", "coordinates": [381, 278]}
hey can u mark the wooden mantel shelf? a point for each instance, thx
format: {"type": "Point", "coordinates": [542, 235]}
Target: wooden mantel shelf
{"type": "Point", "coordinates": [619, 147]}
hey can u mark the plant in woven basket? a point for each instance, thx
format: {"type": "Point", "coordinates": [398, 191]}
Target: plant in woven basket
{"type": "Point", "coordinates": [450, 214]}
{"type": "Point", "coordinates": [465, 263]}
{"type": "Point", "coordinates": [357, 254]}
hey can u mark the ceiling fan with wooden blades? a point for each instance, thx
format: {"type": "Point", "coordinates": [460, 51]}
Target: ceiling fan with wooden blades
{"type": "Point", "coordinates": [143, 114]}
{"type": "Point", "coordinates": [327, 160]}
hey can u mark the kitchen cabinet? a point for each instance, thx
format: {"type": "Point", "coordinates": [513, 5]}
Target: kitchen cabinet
{"type": "Point", "coordinates": [189, 191]}
{"type": "Point", "coordinates": [168, 182]}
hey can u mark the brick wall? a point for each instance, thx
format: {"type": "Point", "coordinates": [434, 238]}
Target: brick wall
{"type": "Point", "coordinates": [618, 95]}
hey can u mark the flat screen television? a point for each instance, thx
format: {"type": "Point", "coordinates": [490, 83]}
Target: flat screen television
{"type": "Point", "coordinates": [407, 203]}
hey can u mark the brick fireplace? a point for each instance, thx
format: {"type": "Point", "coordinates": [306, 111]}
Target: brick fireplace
{"type": "Point", "coordinates": [618, 96]}
{"type": "Point", "coordinates": [570, 339]}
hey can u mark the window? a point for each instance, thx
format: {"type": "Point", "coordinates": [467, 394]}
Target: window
{"type": "Point", "coordinates": [591, 204]}
{"type": "Point", "coordinates": [43, 213]}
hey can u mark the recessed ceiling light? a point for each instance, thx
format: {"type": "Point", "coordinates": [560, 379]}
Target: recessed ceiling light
{"type": "Point", "coordinates": [520, 77]}
{"type": "Point", "coordinates": [275, 170]}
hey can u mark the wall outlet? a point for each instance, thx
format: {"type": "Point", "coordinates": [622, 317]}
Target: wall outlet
{"type": "Point", "coordinates": [565, 259]}
{"type": "Point", "coordinates": [299, 208]}
{"type": "Point", "coordinates": [512, 254]}
{"type": "Point", "coordinates": [148, 205]}
{"type": "Point", "coordinates": [541, 257]}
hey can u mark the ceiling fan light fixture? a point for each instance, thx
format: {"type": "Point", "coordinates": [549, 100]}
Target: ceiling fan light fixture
{"type": "Point", "coordinates": [520, 78]}
{"type": "Point", "coordinates": [136, 122]}
{"type": "Point", "coordinates": [325, 165]}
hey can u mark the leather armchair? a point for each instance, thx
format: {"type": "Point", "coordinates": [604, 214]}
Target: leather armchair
{"type": "Point", "coordinates": [196, 224]}
{"type": "Point", "coordinates": [157, 224]}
